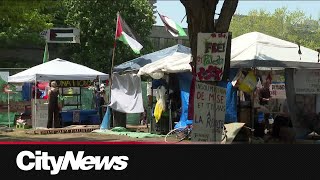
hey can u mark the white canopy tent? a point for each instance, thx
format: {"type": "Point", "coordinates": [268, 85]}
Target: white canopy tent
{"type": "Point", "coordinates": [57, 69]}
{"type": "Point", "coordinates": [253, 49]}
{"type": "Point", "coordinates": [177, 62]}
{"type": "Point", "coordinates": [256, 49]}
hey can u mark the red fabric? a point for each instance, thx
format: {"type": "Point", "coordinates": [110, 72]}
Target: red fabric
{"type": "Point", "coordinates": [45, 97]}
{"type": "Point", "coordinates": [191, 96]}
{"type": "Point", "coordinates": [119, 27]}
{"type": "Point", "coordinates": [42, 85]}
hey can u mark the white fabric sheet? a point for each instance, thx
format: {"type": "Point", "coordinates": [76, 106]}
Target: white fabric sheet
{"type": "Point", "coordinates": [126, 93]}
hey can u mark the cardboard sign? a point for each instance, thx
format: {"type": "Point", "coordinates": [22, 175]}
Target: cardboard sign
{"type": "Point", "coordinates": [209, 112]}
{"type": "Point", "coordinates": [211, 54]}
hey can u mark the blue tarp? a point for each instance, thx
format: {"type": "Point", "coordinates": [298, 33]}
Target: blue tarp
{"type": "Point", "coordinates": [139, 62]}
{"type": "Point", "coordinates": [231, 97]}
{"type": "Point", "coordinates": [106, 120]}
{"type": "Point", "coordinates": [184, 84]}
{"type": "Point", "coordinates": [26, 91]}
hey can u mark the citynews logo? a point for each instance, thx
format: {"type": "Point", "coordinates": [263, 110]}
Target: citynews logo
{"type": "Point", "coordinates": [42, 161]}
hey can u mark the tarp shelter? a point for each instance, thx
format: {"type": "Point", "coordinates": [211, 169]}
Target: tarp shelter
{"type": "Point", "coordinates": [256, 49]}
{"type": "Point", "coordinates": [176, 63]}
{"type": "Point", "coordinates": [172, 53]}
{"type": "Point", "coordinates": [259, 50]}
{"type": "Point", "coordinates": [173, 59]}
{"type": "Point", "coordinates": [57, 69]}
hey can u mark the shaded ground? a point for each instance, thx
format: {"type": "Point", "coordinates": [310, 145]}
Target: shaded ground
{"type": "Point", "coordinates": [21, 135]}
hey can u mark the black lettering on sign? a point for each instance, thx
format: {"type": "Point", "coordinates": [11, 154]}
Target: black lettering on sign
{"type": "Point", "coordinates": [210, 121]}
{"type": "Point", "coordinates": [73, 83]}
{"type": "Point", "coordinates": [198, 120]}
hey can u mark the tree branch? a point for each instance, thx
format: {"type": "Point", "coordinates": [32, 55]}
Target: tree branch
{"type": "Point", "coordinates": [228, 9]}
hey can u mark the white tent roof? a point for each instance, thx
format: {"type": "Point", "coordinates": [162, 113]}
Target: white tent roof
{"type": "Point", "coordinates": [256, 49]}
{"type": "Point", "coordinates": [177, 62]}
{"type": "Point", "coordinates": [57, 69]}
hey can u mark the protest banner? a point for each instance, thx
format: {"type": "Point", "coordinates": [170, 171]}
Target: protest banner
{"type": "Point", "coordinates": [209, 112]}
{"type": "Point", "coordinates": [211, 54]}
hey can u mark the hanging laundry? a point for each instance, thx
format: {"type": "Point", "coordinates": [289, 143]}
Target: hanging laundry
{"type": "Point", "coordinates": [126, 93]}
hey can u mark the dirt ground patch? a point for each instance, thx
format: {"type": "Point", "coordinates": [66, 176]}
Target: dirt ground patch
{"type": "Point", "coordinates": [21, 135]}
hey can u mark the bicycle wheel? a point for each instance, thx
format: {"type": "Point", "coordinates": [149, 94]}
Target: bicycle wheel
{"type": "Point", "coordinates": [177, 135]}
{"type": "Point", "coordinates": [224, 137]}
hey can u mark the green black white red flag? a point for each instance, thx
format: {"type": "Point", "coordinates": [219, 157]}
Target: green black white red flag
{"type": "Point", "coordinates": [124, 34]}
{"type": "Point", "coordinates": [172, 27]}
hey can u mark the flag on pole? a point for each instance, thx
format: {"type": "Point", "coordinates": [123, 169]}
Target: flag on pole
{"type": "Point", "coordinates": [172, 27]}
{"type": "Point", "coordinates": [45, 54]}
{"type": "Point", "coordinates": [124, 34]}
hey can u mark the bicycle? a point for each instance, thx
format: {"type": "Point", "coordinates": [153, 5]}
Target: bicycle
{"type": "Point", "coordinates": [182, 133]}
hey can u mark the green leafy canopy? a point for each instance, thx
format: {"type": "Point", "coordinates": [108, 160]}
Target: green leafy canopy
{"type": "Point", "coordinates": [293, 26]}
{"type": "Point", "coordinates": [97, 21]}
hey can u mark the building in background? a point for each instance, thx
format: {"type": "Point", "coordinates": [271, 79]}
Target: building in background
{"type": "Point", "coordinates": [161, 38]}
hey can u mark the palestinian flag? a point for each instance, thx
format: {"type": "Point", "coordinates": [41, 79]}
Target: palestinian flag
{"type": "Point", "coordinates": [125, 35]}
{"type": "Point", "coordinates": [171, 26]}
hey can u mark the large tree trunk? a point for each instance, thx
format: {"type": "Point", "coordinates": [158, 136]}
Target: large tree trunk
{"type": "Point", "coordinates": [200, 18]}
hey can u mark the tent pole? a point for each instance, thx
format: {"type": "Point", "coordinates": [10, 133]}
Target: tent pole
{"type": "Point", "coordinates": [252, 104]}
{"type": "Point", "coordinates": [9, 109]}
{"type": "Point", "coordinates": [35, 102]}
{"type": "Point", "coordinates": [151, 108]}
{"type": "Point", "coordinates": [112, 60]}
{"type": "Point", "coordinates": [111, 69]}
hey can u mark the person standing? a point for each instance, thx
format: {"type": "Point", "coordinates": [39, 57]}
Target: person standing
{"type": "Point", "coordinates": [264, 97]}
{"type": "Point", "coordinates": [53, 107]}
{"type": "Point", "coordinates": [102, 100]}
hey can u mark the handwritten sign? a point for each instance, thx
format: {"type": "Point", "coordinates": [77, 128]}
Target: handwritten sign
{"type": "Point", "coordinates": [211, 53]}
{"type": "Point", "coordinates": [307, 81]}
{"type": "Point", "coordinates": [278, 91]}
{"type": "Point", "coordinates": [73, 83]}
{"type": "Point", "coordinates": [209, 112]}
{"type": "Point", "coordinates": [40, 115]}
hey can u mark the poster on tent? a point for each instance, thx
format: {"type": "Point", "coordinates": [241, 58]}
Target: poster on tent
{"type": "Point", "coordinates": [211, 54]}
{"type": "Point", "coordinates": [209, 113]}
{"type": "Point", "coordinates": [278, 90]}
{"type": "Point", "coordinates": [40, 114]}
{"type": "Point", "coordinates": [306, 81]}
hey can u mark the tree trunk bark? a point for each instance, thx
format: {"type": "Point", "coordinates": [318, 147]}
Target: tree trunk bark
{"type": "Point", "coordinates": [200, 18]}
{"type": "Point", "coordinates": [119, 119]}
